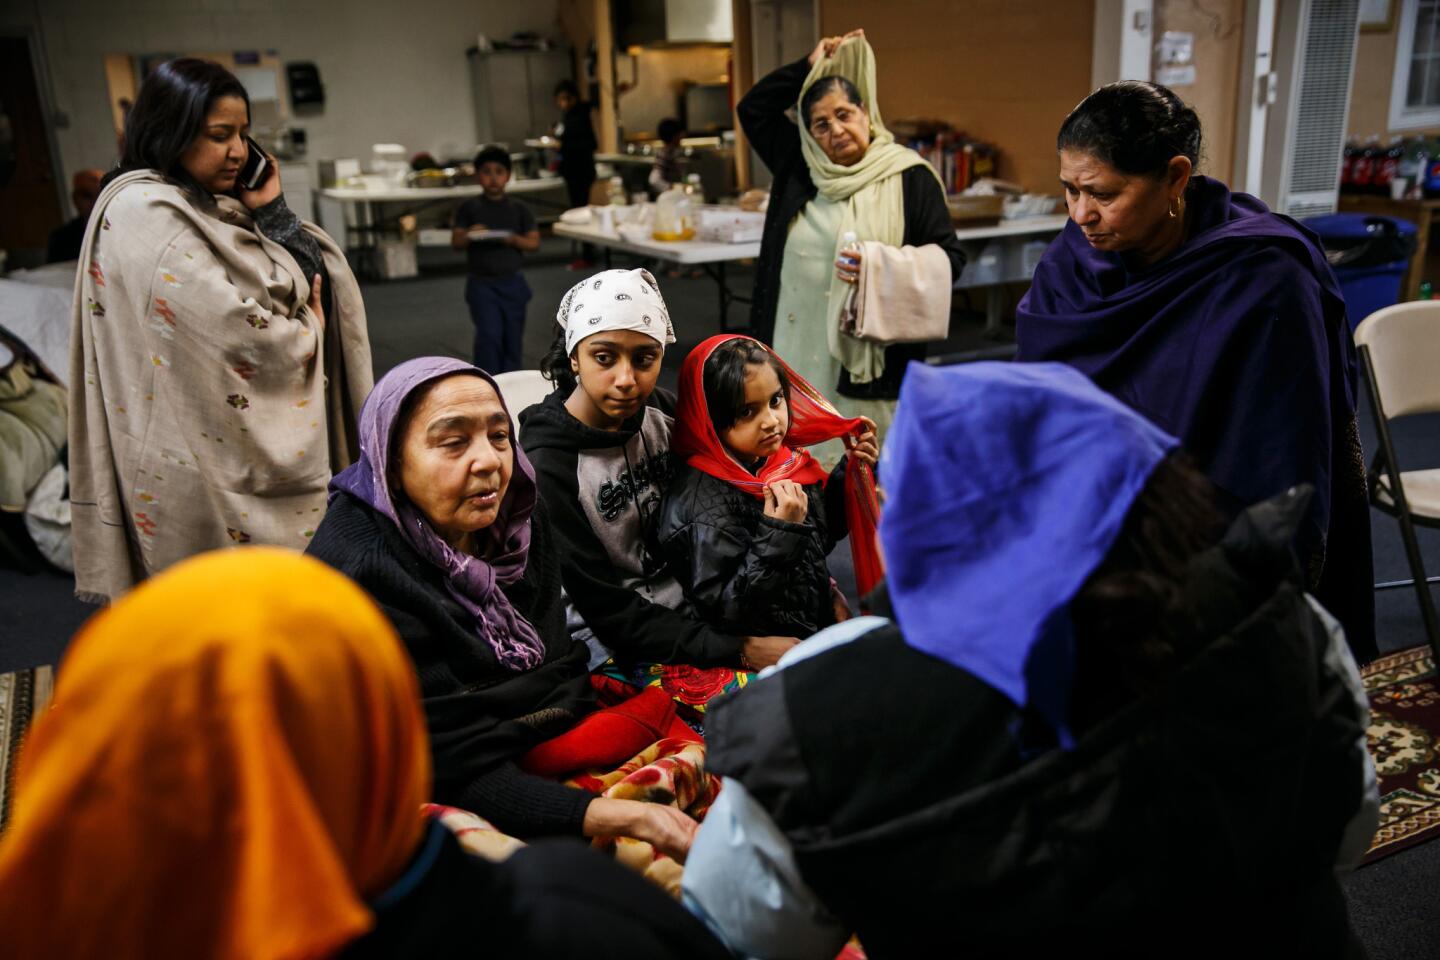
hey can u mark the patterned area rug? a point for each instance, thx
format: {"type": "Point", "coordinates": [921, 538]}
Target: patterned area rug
{"type": "Point", "coordinates": [23, 695]}
{"type": "Point", "coordinates": [1405, 743]}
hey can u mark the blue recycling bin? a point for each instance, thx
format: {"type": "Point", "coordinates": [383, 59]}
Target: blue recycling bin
{"type": "Point", "coordinates": [1369, 254]}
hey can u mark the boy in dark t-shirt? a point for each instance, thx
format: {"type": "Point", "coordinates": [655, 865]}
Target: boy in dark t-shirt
{"type": "Point", "coordinates": [493, 230]}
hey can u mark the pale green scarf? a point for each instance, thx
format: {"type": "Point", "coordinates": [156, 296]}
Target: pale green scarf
{"type": "Point", "coordinates": [870, 192]}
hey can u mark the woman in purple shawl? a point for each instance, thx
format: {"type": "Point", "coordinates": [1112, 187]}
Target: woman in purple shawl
{"type": "Point", "coordinates": [1217, 319]}
{"type": "Point", "coordinates": [441, 523]}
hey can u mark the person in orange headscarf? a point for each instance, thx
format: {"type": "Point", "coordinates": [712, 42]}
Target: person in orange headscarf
{"type": "Point", "coordinates": [234, 766]}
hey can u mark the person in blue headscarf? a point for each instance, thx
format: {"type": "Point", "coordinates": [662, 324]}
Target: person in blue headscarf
{"type": "Point", "coordinates": [1088, 716]}
{"type": "Point", "coordinates": [1215, 318]}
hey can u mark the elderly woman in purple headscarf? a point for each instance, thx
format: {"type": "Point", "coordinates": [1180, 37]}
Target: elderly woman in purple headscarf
{"type": "Point", "coordinates": [439, 520]}
{"type": "Point", "coordinates": [1217, 319]}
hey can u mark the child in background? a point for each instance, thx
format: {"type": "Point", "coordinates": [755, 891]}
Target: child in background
{"type": "Point", "coordinates": [666, 169]}
{"type": "Point", "coordinates": [748, 521]}
{"type": "Point", "coordinates": [493, 230]}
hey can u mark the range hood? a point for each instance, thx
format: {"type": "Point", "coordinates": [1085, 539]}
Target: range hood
{"type": "Point", "coordinates": [661, 23]}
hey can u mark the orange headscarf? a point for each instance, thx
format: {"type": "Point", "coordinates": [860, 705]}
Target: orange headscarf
{"type": "Point", "coordinates": [234, 761]}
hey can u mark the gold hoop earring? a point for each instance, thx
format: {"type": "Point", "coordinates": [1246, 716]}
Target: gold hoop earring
{"type": "Point", "coordinates": [1177, 207]}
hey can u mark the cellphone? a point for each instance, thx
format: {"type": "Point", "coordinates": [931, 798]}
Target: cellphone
{"type": "Point", "coordinates": [256, 169]}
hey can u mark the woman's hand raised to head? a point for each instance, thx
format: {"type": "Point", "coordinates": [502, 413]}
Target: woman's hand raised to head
{"type": "Point", "coordinates": [828, 45]}
{"type": "Point", "coordinates": [865, 447]}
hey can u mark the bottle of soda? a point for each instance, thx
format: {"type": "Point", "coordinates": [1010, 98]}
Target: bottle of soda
{"type": "Point", "coordinates": [1363, 170]}
{"type": "Point", "coordinates": [1347, 167]}
{"type": "Point", "coordinates": [1386, 168]}
{"type": "Point", "coordinates": [1430, 185]}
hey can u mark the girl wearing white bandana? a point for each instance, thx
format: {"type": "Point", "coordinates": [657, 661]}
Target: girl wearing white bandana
{"type": "Point", "coordinates": [600, 445]}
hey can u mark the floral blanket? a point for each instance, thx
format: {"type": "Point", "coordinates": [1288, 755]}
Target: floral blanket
{"type": "Point", "coordinates": [670, 771]}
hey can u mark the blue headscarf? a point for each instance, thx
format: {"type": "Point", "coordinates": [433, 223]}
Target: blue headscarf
{"type": "Point", "coordinates": [1006, 484]}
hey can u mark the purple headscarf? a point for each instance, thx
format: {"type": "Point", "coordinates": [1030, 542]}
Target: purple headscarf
{"type": "Point", "coordinates": [474, 582]}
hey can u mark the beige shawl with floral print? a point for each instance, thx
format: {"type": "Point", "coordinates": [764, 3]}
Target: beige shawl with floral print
{"type": "Point", "coordinates": [208, 406]}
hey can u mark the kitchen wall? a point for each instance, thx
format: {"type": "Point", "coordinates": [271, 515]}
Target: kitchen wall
{"type": "Point", "coordinates": [659, 76]}
{"type": "Point", "coordinates": [1007, 71]}
{"type": "Point", "coordinates": [392, 72]}
{"type": "Point", "coordinates": [1218, 27]}
{"type": "Point", "coordinates": [1370, 91]}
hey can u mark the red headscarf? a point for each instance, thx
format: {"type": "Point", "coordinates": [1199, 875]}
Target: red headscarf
{"type": "Point", "coordinates": [812, 420]}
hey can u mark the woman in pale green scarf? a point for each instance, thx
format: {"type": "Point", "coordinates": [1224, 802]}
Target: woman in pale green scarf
{"type": "Point", "coordinates": [834, 171]}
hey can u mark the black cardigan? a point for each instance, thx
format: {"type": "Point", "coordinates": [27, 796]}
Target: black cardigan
{"type": "Point", "coordinates": [552, 899]}
{"type": "Point", "coordinates": [777, 140]}
{"type": "Point", "coordinates": [480, 716]}
{"type": "Point", "coordinates": [743, 571]}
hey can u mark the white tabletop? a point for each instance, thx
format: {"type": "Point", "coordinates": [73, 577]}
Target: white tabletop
{"type": "Point", "coordinates": [692, 251]}
{"type": "Point", "coordinates": [394, 194]}
{"type": "Point", "coordinates": [636, 158]}
{"type": "Point", "coordinates": [1053, 223]}
{"type": "Point", "coordinates": [683, 251]}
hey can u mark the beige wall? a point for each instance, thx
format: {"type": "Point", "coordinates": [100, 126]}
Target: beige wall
{"type": "Point", "coordinates": [659, 77]}
{"type": "Point", "coordinates": [1218, 27]}
{"type": "Point", "coordinates": [392, 72]}
{"type": "Point", "coordinates": [1006, 71]}
{"type": "Point", "coordinates": [1370, 90]}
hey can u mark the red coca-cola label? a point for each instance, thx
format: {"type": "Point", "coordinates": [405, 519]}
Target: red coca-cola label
{"type": "Point", "coordinates": [1361, 170]}
{"type": "Point", "coordinates": [1384, 171]}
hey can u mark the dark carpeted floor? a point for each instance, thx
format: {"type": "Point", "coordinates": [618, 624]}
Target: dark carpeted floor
{"type": "Point", "coordinates": [1392, 902]}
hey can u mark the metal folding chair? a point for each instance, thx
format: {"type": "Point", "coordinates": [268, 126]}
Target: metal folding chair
{"type": "Point", "coordinates": [520, 389]}
{"type": "Point", "coordinates": [1400, 350]}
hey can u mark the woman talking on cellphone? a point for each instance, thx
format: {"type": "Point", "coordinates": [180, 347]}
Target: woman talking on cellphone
{"type": "Point", "coordinates": [218, 353]}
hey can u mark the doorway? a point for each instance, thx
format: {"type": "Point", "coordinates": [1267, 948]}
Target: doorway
{"type": "Point", "coordinates": [29, 197]}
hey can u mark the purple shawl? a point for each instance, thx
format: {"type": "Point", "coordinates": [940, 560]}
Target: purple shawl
{"type": "Point", "coordinates": [473, 581]}
{"type": "Point", "coordinates": [1237, 344]}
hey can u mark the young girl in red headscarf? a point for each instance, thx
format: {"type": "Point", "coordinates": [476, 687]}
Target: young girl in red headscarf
{"type": "Point", "coordinates": [750, 518]}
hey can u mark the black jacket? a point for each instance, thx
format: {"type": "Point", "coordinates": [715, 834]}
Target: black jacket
{"type": "Point", "coordinates": [481, 717]}
{"type": "Point", "coordinates": [1203, 820]}
{"type": "Point", "coordinates": [776, 139]}
{"type": "Point", "coordinates": [603, 488]}
{"type": "Point", "coordinates": [552, 899]}
{"type": "Point", "coordinates": [746, 572]}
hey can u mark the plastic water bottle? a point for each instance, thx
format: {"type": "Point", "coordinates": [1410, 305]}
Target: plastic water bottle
{"type": "Point", "coordinates": [850, 248]}
{"type": "Point", "coordinates": [615, 192]}
{"type": "Point", "coordinates": [674, 215]}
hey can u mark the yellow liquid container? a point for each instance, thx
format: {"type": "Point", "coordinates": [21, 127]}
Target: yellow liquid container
{"type": "Point", "coordinates": [674, 216]}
